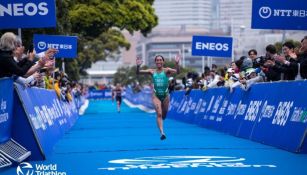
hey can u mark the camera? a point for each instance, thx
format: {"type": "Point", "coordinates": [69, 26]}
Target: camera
{"type": "Point", "coordinates": [31, 48]}
{"type": "Point", "coordinates": [259, 61]}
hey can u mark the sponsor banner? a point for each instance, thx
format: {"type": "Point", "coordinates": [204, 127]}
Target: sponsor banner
{"type": "Point", "coordinates": [67, 45]}
{"type": "Point", "coordinates": [6, 108]}
{"type": "Point", "coordinates": [211, 117]}
{"type": "Point", "coordinates": [48, 116]}
{"type": "Point", "coordinates": [142, 97]}
{"type": "Point", "coordinates": [265, 113]}
{"type": "Point", "coordinates": [287, 15]}
{"type": "Point", "coordinates": [100, 94]}
{"type": "Point", "coordinates": [282, 118]}
{"type": "Point", "coordinates": [212, 46]}
{"type": "Point", "coordinates": [27, 13]}
{"type": "Point", "coordinates": [232, 111]}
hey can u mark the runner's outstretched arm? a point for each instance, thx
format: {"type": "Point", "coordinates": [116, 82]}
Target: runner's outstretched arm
{"type": "Point", "coordinates": [138, 65]}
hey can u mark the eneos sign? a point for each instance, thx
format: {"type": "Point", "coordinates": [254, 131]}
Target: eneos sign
{"type": "Point", "coordinates": [212, 46]}
{"type": "Point", "coordinates": [27, 13]}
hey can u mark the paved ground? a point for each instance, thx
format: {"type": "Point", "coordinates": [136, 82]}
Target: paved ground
{"type": "Point", "coordinates": [106, 142]}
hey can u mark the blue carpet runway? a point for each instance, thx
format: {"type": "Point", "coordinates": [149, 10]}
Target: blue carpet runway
{"type": "Point", "coordinates": [105, 142]}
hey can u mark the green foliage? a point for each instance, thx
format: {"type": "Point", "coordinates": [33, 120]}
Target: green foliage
{"type": "Point", "coordinates": [278, 45]}
{"type": "Point", "coordinates": [127, 75]}
{"type": "Point", "coordinates": [97, 23]}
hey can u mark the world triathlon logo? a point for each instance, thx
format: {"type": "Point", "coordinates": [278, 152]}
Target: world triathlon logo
{"type": "Point", "coordinates": [265, 12]}
{"type": "Point", "coordinates": [164, 162]}
{"type": "Point", "coordinates": [25, 168]}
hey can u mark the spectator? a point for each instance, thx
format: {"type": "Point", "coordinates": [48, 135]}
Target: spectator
{"type": "Point", "coordinates": [8, 66]}
{"type": "Point", "coordinates": [252, 54]}
{"type": "Point", "coordinates": [271, 71]}
{"type": "Point", "coordinates": [288, 71]}
{"type": "Point", "coordinates": [302, 58]}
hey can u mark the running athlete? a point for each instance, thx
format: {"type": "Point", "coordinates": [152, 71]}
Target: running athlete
{"type": "Point", "coordinates": [160, 93]}
{"type": "Point", "coordinates": [117, 92]}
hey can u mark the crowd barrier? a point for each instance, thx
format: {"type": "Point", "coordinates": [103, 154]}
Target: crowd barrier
{"type": "Point", "coordinates": [39, 118]}
{"type": "Point", "coordinates": [6, 108]}
{"type": "Point", "coordinates": [100, 94]}
{"type": "Point", "coordinates": [143, 97]}
{"type": "Point", "coordinates": [270, 113]}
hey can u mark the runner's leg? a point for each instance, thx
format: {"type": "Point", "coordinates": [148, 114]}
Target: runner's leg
{"type": "Point", "coordinates": [157, 104]}
{"type": "Point", "coordinates": [165, 107]}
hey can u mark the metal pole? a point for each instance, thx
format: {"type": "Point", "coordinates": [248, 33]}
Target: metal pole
{"type": "Point", "coordinates": [233, 40]}
{"type": "Point", "coordinates": [183, 56]}
{"type": "Point", "coordinates": [63, 65]}
{"type": "Point", "coordinates": [203, 64]}
{"type": "Point", "coordinates": [283, 36]}
{"type": "Point", "coordinates": [53, 74]}
{"type": "Point", "coordinates": [19, 34]}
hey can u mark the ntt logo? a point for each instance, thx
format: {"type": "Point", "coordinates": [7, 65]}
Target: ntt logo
{"type": "Point", "coordinates": [41, 45]}
{"type": "Point", "coordinates": [25, 168]}
{"type": "Point", "coordinates": [265, 12]}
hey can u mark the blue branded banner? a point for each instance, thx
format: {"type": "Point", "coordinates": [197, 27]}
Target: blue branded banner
{"type": "Point", "coordinates": [100, 94]}
{"type": "Point", "coordinates": [49, 117]}
{"type": "Point", "coordinates": [212, 46]}
{"type": "Point", "coordinates": [67, 45]}
{"type": "Point", "coordinates": [284, 14]}
{"type": "Point", "coordinates": [264, 113]}
{"type": "Point", "coordinates": [27, 13]}
{"type": "Point", "coordinates": [6, 108]}
{"type": "Point", "coordinates": [143, 97]}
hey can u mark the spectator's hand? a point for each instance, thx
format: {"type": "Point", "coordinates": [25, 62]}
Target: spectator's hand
{"type": "Point", "coordinates": [49, 54]}
{"type": "Point", "coordinates": [49, 64]}
{"type": "Point", "coordinates": [280, 59]}
{"type": "Point", "coordinates": [31, 56]}
{"type": "Point", "coordinates": [269, 63]}
{"type": "Point", "coordinates": [293, 55]}
{"type": "Point", "coordinates": [36, 76]}
{"type": "Point", "coordinates": [177, 59]}
{"type": "Point", "coordinates": [139, 61]}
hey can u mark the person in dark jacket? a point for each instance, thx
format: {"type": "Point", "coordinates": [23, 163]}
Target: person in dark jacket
{"type": "Point", "coordinates": [300, 64]}
{"type": "Point", "coordinates": [9, 67]}
{"type": "Point", "coordinates": [288, 71]}
{"type": "Point", "coordinates": [271, 72]}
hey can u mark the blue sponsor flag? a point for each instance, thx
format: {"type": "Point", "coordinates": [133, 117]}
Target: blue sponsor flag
{"type": "Point", "coordinates": [6, 109]}
{"type": "Point", "coordinates": [284, 14]}
{"type": "Point", "coordinates": [27, 13]}
{"type": "Point", "coordinates": [212, 46]}
{"type": "Point", "coordinates": [67, 45]}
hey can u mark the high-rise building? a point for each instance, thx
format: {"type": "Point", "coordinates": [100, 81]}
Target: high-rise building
{"type": "Point", "coordinates": [235, 16]}
{"type": "Point", "coordinates": [184, 13]}
{"type": "Point", "coordinates": [179, 20]}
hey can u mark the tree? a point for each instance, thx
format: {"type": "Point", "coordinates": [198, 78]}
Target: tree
{"type": "Point", "coordinates": [278, 45]}
{"type": "Point", "coordinates": [97, 23]}
{"type": "Point", "coordinates": [127, 75]}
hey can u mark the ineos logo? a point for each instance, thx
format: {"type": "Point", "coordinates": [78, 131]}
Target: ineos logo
{"type": "Point", "coordinates": [265, 12]}
{"type": "Point", "coordinates": [24, 9]}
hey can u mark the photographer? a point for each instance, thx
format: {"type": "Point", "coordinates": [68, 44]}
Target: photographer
{"type": "Point", "coordinates": [270, 66]}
